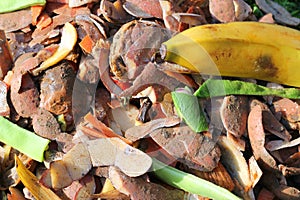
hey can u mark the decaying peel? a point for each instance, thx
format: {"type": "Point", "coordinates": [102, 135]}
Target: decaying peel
{"type": "Point", "coordinates": [68, 41]}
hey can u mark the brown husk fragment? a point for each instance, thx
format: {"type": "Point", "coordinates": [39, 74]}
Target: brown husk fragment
{"type": "Point", "coordinates": [234, 114]}
{"type": "Point", "coordinates": [251, 149]}
{"type": "Point", "coordinates": [150, 75]}
{"type": "Point", "coordinates": [45, 124]}
{"type": "Point", "coordinates": [150, 8]}
{"type": "Point", "coordinates": [195, 150]}
{"type": "Point", "coordinates": [14, 21]}
{"type": "Point", "coordinates": [24, 95]}
{"type": "Point", "coordinates": [257, 140]}
{"type": "Point", "coordinates": [287, 109]}
{"type": "Point", "coordinates": [57, 88]}
{"type": "Point", "coordinates": [134, 40]}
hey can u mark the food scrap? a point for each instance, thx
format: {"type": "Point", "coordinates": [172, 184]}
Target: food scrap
{"type": "Point", "coordinates": [159, 99]}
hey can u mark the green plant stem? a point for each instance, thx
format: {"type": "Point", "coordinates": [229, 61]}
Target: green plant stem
{"type": "Point", "coordinates": [214, 88]}
{"type": "Point", "coordinates": [190, 183]}
{"type": "Point", "coordinates": [23, 140]}
{"type": "Point", "coordinates": [13, 5]}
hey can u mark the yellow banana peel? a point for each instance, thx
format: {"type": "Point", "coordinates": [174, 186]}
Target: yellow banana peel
{"type": "Point", "coordinates": [239, 49]}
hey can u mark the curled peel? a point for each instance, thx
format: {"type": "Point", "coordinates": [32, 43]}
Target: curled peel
{"type": "Point", "coordinates": [68, 41]}
{"type": "Point", "coordinates": [239, 49]}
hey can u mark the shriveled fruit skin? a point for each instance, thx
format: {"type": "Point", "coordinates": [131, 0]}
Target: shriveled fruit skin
{"type": "Point", "coordinates": [239, 49]}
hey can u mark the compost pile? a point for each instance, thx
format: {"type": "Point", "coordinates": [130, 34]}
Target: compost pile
{"type": "Point", "coordinates": [91, 109]}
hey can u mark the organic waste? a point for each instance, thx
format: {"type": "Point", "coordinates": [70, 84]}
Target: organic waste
{"type": "Point", "coordinates": [11, 134]}
{"type": "Point", "coordinates": [13, 5]}
{"type": "Point", "coordinates": [132, 99]}
{"type": "Point", "coordinates": [239, 49]}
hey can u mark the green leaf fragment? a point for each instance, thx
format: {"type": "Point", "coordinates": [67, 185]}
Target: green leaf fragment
{"type": "Point", "coordinates": [188, 107]}
{"type": "Point", "coordinates": [190, 183]}
{"type": "Point", "coordinates": [23, 140]}
{"type": "Point", "coordinates": [215, 88]}
{"type": "Point", "coordinates": [13, 5]}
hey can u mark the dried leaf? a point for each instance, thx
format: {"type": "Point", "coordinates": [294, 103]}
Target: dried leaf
{"type": "Point", "coordinates": [31, 183]}
{"type": "Point", "coordinates": [218, 176]}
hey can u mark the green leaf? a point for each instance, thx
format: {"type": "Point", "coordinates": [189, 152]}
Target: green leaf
{"type": "Point", "coordinates": [214, 88]}
{"type": "Point", "coordinates": [190, 183]}
{"type": "Point", "coordinates": [13, 5]}
{"type": "Point", "coordinates": [23, 140]}
{"type": "Point", "coordinates": [188, 107]}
